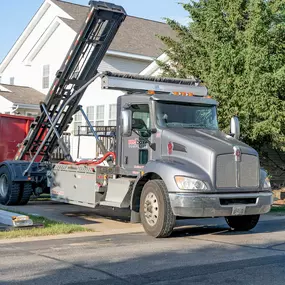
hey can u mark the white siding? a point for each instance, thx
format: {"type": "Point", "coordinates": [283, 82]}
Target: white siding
{"type": "Point", "coordinates": [28, 74]}
{"type": "Point", "coordinates": [87, 147]}
{"type": "Point", "coordinates": [5, 105]}
{"type": "Point", "coordinates": [52, 54]}
{"type": "Point", "coordinates": [117, 64]}
{"type": "Point", "coordinates": [94, 96]}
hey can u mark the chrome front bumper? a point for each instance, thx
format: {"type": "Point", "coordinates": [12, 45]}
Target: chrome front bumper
{"type": "Point", "coordinates": [220, 205]}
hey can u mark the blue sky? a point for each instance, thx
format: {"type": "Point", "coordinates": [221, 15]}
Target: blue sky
{"type": "Point", "coordinates": [15, 15]}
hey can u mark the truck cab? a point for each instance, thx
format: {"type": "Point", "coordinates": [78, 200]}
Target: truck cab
{"type": "Point", "coordinates": [185, 166]}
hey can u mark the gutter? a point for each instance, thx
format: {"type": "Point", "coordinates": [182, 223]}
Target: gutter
{"type": "Point", "coordinates": [130, 55]}
{"type": "Point", "coordinates": [27, 106]}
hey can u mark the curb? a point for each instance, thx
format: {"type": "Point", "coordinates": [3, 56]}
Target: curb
{"type": "Point", "coordinates": [67, 236]}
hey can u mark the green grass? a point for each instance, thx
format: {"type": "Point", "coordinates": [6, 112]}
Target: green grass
{"type": "Point", "coordinates": [43, 197]}
{"type": "Point", "coordinates": [278, 209]}
{"type": "Point", "coordinates": [49, 228]}
{"type": "Point", "coordinates": [40, 199]}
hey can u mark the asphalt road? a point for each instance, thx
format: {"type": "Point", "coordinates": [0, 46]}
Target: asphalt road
{"type": "Point", "coordinates": [200, 255]}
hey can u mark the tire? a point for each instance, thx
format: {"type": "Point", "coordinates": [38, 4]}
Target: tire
{"type": "Point", "coordinates": [242, 223]}
{"type": "Point", "coordinates": [27, 190]}
{"type": "Point", "coordinates": [156, 214]}
{"type": "Point", "coordinates": [9, 191]}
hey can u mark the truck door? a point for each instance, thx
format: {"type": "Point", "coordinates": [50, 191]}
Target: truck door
{"type": "Point", "coordinates": [135, 149]}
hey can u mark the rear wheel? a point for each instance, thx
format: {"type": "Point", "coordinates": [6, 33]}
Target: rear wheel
{"type": "Point", "coordinates": [156, 214]}
{"type": "Point", "coordinates": [27, 190]}
{"type": "Point", "coordinates": [242, 223]}
{"type": "Point", "coordinates": [9, 190]}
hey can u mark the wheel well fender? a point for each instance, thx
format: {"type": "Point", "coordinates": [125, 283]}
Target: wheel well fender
{"type": "Point", "coordinates": [9, 167]}
{"type": "Point", "coordinates": [137, 190]}
{"type": "Point", "coordinates": [16, 169]}
{"type": "Point", "coordinates": [165, 170]}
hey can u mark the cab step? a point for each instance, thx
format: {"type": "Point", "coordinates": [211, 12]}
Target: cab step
{"type": "Point", "coordinates": [118, 193]}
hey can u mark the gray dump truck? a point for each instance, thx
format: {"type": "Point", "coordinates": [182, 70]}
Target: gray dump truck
{"type": "Point", "coordinates": [169, 158]}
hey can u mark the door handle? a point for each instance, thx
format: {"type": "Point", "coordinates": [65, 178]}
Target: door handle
{"type": "Point", "coordinates": [126, 159]}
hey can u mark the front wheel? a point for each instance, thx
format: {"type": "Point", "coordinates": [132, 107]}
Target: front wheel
{"type": "Point", "coordinates": [242, 223]}
{"type": "Point", "coordinates": [156, 214]}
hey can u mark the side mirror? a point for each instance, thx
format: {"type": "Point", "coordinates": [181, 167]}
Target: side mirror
{"type": "Point", "coordinates": [126, 123]}
{"type": "Point", "coordinates": [235, 127]}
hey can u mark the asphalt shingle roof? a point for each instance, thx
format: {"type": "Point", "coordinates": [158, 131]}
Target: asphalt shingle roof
{"type": "Point", "coordinates": [21, 94]}
{"type": "Point", "coordinates": [136, 35]}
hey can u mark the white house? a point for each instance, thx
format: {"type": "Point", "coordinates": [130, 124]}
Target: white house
{"type": "Point", "coordinates": [38, 53]}
{"type": "Point", "coordinates": [20, 100]}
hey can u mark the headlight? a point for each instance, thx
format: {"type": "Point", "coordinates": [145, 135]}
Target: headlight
{"type": "Point", "coordinates": [264, 180]}
{"type": "Point", "coordinates": [267, 184]}
{"type": "Point", "coordinates": [187, 183]}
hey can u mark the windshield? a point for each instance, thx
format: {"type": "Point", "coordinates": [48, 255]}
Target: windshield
{"type": "Point", "coordinates": [185, 115]}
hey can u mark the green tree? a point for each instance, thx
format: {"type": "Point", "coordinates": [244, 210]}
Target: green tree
{"type": "Point", "coordinates": [237, 48]}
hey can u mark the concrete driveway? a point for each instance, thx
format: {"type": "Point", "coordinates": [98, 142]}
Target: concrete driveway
{"type": "Point", "coordinates": [205, 254]}
{"type": "Point", "coordinates": [104, 220]}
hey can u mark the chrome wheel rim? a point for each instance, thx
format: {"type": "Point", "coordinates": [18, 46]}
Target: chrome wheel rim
{"type": "Point", "coordinates": [151, 209]}
{"type": "Point", "coordinates": [3, 185]}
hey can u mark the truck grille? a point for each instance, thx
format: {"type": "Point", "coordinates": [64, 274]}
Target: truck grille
{"type": "Point", "coordinates": [248, 169]}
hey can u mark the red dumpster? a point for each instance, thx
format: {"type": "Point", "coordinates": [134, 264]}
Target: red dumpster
{"type": "Point", "coordinates": [13, 130]}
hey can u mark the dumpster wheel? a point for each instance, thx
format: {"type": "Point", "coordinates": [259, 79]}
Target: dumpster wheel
{"type": "Point", "coordinates": [9, 190]}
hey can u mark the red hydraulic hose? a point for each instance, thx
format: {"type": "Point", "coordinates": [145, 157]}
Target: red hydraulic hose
{"type": "Point", "coordinates": [90, 162]}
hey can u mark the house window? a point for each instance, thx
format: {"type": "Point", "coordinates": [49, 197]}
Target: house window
{"type": "Point", "coordinates": [100, 115]}
{"type": "Point", "coordinates": [112, 115]}
{"type": "Point", "coordinates": [77, 122]}
{"type": "Point", "coordinates": [45, 76]}
{"type": "Point", "coordinates": [90, 114]}
{"type": "Point", "coordinates": [12, 80]}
